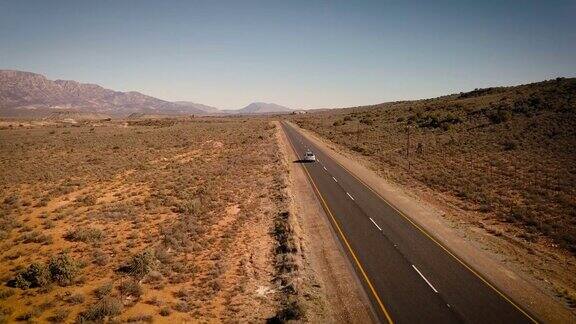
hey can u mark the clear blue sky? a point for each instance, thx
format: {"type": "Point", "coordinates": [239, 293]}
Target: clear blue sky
{"type": "Point", "coordinates": [302, 54]}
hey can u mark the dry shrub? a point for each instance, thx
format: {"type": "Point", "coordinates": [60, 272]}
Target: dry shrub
{"type": "Point", "coordinates": [141, 264]}
{"type": "Point", "coordinates": [130, 287]}
{"type": "Point", "coordinates": [140, 319]}
{"type": "Point", "coordinates": [74, 299]}
{"type": "Point", "coordinates": [5, 293]}
{"type": "Point", "coordinates": [36, 237]}
{"type": "Point", "coordinates": [165, 311]}
{"type": "Point", "coordinates": [63, 269]}
{"type": "Point", "coordinates": [291, 311]}
{"type": "Point", "coordinates": [106, 308]}
{"type": "Point", "coordinates": [59, 316]}
{"type": "Point", "coordinates": [103, 290]}
{"type": "Point", "coordinates": [36, 275]}
{"type": "Point", "coordinates": [86, 235]}
{"type": "Point", "coordinates": [87, 200]}
{"type": "Point", "coordinates": [100, 257]}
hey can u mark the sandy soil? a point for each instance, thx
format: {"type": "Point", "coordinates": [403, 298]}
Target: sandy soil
{"type": "Point", "coordinates": [333, 292]}
{"type": "Point", "coordinates": [199, 197]}
{"type": "Point", "coordinates": [516, 271]}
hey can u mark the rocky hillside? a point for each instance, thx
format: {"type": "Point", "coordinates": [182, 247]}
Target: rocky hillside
{"type": "Point", "coordinates": [25, 93]}
{"type": "Point", "coordinates": [193, 105]}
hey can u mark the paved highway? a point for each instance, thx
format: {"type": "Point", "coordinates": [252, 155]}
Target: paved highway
{"type": "Point", "coordinates": [409, 277]}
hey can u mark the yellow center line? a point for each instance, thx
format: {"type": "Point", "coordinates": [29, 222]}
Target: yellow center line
{"type": "Point", "coordinates": [423, 231]}
{"type": "Point", "coordinates": [343, 236]}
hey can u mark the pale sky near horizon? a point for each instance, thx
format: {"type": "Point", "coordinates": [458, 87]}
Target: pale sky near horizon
{"type": "Point", "coordinates": [301, 54]}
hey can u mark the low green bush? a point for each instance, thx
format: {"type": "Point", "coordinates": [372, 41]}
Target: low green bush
{"type": "Point", "coordinates": [36, 275]}
{"type": "Point", "coordinates": [63, 269]}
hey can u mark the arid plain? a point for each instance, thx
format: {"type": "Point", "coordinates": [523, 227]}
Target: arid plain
{"type": "Point", "coordinates": [140, 220]}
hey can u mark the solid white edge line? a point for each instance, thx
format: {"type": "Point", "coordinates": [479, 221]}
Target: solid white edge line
{"type": "Point", "coordinates": [373, 222]}
{"type": "Point", "coordinates": [421, 275]}
{"type": "Point", "coordinates": [334, 179]}
{"type": "Point", "coordinates": [349, 195]}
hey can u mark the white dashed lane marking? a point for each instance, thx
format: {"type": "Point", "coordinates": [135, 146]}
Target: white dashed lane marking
{"type": "Point", "coordinates": [373, 222]}
{"type": "Point", "coordinates": [421, 275]}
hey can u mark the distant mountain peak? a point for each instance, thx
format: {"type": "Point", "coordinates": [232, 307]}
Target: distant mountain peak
{"type": "Point", "coordinates": [263, 107]}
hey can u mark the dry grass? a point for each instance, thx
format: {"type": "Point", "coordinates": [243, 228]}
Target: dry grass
{"type": "Point", "coordinates": [508, 154]}
{"type": "Point", "coordinates": [140, 221]}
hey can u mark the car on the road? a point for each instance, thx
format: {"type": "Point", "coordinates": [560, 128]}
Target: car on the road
{"type": "Point", "coordinates": [309, 156]}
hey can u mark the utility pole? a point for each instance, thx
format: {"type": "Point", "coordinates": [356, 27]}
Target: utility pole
{"type": "Point", "coordinates": [358, 134]}
{"type": "Point", "coordinates": [408, 146]}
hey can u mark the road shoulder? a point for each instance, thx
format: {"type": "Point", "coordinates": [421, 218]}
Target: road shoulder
{"type": "Point", "coordinates": [334, 292]}
{"type": "Point", "coordinates": [431, 220]}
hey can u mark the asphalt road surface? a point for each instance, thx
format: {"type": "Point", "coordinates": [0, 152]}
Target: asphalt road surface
{"type": "Point", "coordinates": [409, 277]}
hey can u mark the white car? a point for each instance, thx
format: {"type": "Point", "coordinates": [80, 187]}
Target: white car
{"type": "Point", "coordinates": [309, 156]}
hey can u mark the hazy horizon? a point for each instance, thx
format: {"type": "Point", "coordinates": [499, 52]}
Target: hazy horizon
{"type": "Point", "coordinates": [297, 54]}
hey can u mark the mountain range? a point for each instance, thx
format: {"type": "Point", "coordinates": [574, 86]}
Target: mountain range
{"type": "Point", "coordinates": [31, 94]}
